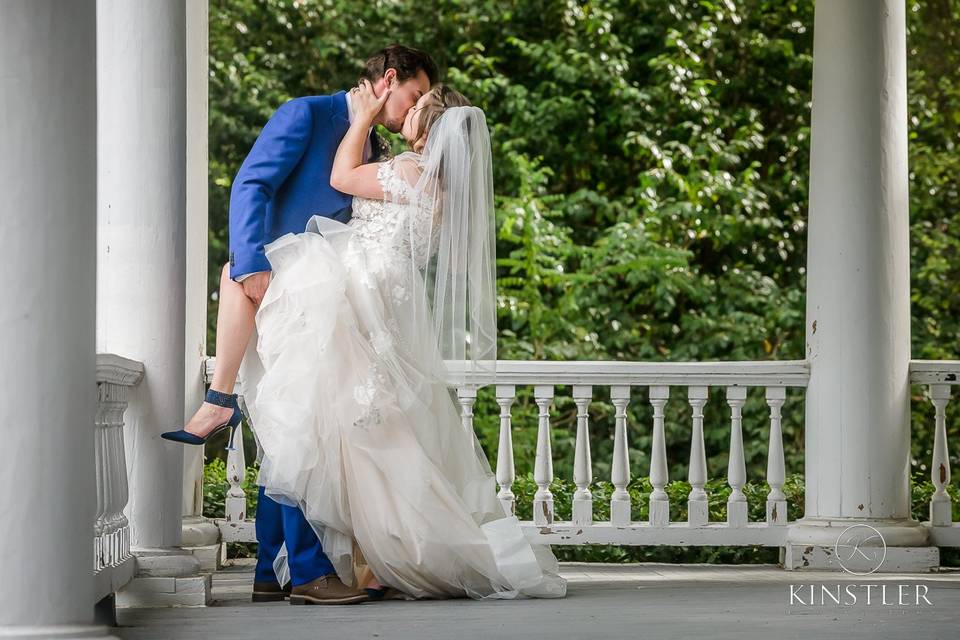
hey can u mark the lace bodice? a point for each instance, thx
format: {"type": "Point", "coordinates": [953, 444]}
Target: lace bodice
{"type": "Point", "coordinates": [384, 226]}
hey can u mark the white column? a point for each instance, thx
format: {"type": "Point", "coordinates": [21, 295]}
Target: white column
{"type": "Point", "coordinates": [858, 282]}
{"type": "Point", "coordinates": [48, 394]}
{"type": "Point", "coordinates": [141, 68]}
{"type": "Point", "coordinates": [200, 536]}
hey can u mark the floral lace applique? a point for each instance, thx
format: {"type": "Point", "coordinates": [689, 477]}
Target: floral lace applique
{"type": "Point", "coordinates": [400, 293]}
{"type": "Point", "coordinates": [394, 187]}
{"type": "Point", "coordinates": [366, 393]}
{"type": "Point", "coordinates": [382, 341]}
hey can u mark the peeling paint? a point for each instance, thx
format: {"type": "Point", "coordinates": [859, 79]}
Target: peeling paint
{"type": "Point", "coordinates": [814, 326]}
{"type": "Point", "coordinates": [943, 472]}
{"type": "Point", "coordinates": [546, 512]}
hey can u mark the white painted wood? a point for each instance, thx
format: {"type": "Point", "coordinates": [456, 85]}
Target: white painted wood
{"type": "Point", "coordinates": [197, 237]}
{"type": "Point", "coordinates": [141, 242]}
{"type": "Point", "coordinates": [698, 511]}
{"type": "Point", "coordinates": [237, 530]}
{"type": "Point", "coordinates": [857, 425]}
{"type": "Point", "coordinates": [603, 373]}
{"type": "Point", "coordinates": [543, 466]}
{"type": "Point", "coordinates": [467, 396]}
{"type": "Point", "coordinates": [946, 536]}
{"type": "Point", "coordinates": [506, 394]}
{"type": "Point", "coordinates": [940, 503]}
{"type": "Point", "coordinates": [141, 258]}
{"type": "Point", "coordinates": [659, 501]}
{"type": "Point", "coordinates": [48, 395]}
{"type": "Point", "coordinates": [935, 372]}
{"type": "Point", "coordinates": [113, 563]}
{"type": "Point", "coordinates": [643, 533]}
{"type": "Point", "coordinates": [582, 462]}
{"type": "Point", "coordinates": [235, 502]}
{"type": "Point", "coordinates": [736, 468]}
{"type": "Point", "coordinates": [776, 471]}
{"type": "Point", "coordinates": [620, 471]}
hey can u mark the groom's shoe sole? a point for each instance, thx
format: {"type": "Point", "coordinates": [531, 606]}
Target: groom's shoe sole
{"type": "Point", "coordinates": [269, 592]}
{"type": "Point", "coordinates": [357, 599]}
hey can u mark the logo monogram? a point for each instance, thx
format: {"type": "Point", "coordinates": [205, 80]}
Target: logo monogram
{"type": "Point", "coordinates": [860, 549]}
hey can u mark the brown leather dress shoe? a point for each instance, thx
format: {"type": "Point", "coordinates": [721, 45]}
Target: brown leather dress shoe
{"type": "Point", "coordinates": [327, 590]}
{"type": "Point", "coordinates": [270, 592]}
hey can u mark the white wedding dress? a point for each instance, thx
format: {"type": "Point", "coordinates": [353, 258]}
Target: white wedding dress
{"type": "Point", "coordinates": [357, 425]}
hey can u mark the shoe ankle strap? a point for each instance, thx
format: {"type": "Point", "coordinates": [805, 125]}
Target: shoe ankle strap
{"type": "Point", "coordinates": [221, 399]}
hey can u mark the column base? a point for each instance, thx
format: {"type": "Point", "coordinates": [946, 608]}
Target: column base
{"type": "Point", "coordinates": [59, 632]}
{"type": "Point", "coordinates": [859, 546]}
{"type": "Point", "coordinates": [201, 538]}
{"type": "Point", "coordinates": [166, 578]}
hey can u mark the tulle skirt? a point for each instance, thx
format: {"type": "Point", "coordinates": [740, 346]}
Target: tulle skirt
{"type": "Point", "coordinates": [358, 428]}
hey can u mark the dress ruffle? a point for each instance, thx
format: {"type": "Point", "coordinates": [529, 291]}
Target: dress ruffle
{"type": "Point", "coordinates": [359, 429]}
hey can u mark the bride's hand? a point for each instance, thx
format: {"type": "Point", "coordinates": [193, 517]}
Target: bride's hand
{"type": "Point", "coordinates": [366, 105]}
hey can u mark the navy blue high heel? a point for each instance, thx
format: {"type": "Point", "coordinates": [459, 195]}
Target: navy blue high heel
{"type": "Point", "coordinates": [228, 400]}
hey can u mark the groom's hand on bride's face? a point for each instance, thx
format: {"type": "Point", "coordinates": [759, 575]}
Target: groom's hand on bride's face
{"type": "Point", "coordinates": [255, 286]}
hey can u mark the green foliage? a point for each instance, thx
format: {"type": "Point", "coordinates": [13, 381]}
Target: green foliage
{"type": "Point", "coordinates": [651, 169]}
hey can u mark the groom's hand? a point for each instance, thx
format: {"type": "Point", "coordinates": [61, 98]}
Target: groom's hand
{"type": "Point", "coordinates": [255, 286]}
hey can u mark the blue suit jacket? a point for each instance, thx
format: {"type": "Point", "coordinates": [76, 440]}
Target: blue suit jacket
{"type": "Point", "coordinates": [285, 179]}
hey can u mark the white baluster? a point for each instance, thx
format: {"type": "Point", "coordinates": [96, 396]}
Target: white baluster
{"type": "Point", "coordinates": [100, 466]}
{"type": "Point", "coordinates": [940, 503]}
{"type": "Point", "coordinates": [776, 471]}
{"type": "Point", "coordinates": [736, 469]}
{"type": "Point", "coordinates": [620, 473]}
{"type": "Point", "coordinates": [698, 510]}
{"type": "Point", "coordinates": [582, 462]}
{"type": "Point", "coordinates": [543, 467]}
{"type": "Point", "coordinates": [467, 397]}
{"type": "Point", "coordinates": [112, 403]}
{"type": "Point", "coordinates": [506, 393]}
{"type": "Point", "coordinates": [122, 489]}
{"type": "Point", "coordinates": [659, 501]}
{"type": "Point", "coordinates": [111, 410]}
{"type": "Point", "coordinates": [235, 503]}
{"type": "Point", "coordinates": [116, 478]}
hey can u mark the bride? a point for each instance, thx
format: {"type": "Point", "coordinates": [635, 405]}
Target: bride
{"type": "Point", "coordinates": [351, 405]}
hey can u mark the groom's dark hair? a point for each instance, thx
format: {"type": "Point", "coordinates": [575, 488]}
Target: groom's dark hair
{"type": "Point", "coordinates": [406, 60]}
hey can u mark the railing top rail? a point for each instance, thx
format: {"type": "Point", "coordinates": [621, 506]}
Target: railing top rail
{"type": "Point", "coordinates": [787, 373]}
{"type": "Point", "coordinates": [118, 370]}
{"type": "Point", "coordinates": [762, 373]}
{"type": "Point", "coordinates": [935, 371]}
{"type": "Point", "coordinates": [768, 373]}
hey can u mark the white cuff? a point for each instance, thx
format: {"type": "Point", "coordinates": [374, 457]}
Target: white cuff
{"type": "Point", "coordinates": [247, 275]}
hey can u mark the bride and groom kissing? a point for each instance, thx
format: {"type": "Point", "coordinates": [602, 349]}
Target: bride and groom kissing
{"type": "Point", "coordinates": [352, 277]}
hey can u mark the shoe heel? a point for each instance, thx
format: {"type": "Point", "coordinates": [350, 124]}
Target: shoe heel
{"type": "Point", "coordinates": [233, 430]}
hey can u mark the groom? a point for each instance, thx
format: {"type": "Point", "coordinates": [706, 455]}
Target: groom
{"type": "Point", "coordinates": [284, 181]}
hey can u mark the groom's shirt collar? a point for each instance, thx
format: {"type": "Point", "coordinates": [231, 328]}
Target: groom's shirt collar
{"type": "Point", "coordinates": [367, 149]}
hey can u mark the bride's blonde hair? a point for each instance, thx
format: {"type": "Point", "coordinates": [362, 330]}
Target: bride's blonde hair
{"type": "Point", "coordinates": [441, 98]}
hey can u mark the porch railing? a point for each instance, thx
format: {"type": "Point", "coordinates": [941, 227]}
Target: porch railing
{"type": "Point", "coordinates": [939, 377]}
{"type": "Point", "coordinates": [623, 379]}
{"type": "Point", "coordinates": [113, 564]}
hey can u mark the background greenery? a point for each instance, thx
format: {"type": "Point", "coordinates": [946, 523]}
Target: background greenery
{"type": "Point", "coordinates": [651, 164]}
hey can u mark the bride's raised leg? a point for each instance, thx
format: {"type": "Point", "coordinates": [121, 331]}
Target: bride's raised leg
{"type": "Point", "coordinates": [235, 323]}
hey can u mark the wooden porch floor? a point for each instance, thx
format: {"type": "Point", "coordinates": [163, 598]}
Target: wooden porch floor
{"type": "Point", "coordinates": [603, 601]}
